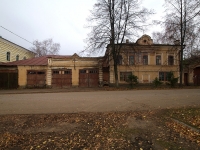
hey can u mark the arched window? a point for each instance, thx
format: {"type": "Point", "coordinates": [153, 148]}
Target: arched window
{"type": "Point", "coordinates": [24, 57]}
{"type": "Point", "coordinates": [17, 57]}
{"type": "Point", "coordinates": [8, 56]}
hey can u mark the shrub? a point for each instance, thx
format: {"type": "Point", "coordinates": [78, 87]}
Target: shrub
{"type": "Point", "coordinates": [172, 81]}
{"type": "Point", "coordinates": [133, 80]}
{"type": "Point", "coordinates": [156, 82]}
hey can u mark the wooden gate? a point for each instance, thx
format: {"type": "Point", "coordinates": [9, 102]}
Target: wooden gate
{"type": "Point", "coordinates": [88, 77]}
{"type": "Point", "coordinates": [197, 76]}
{"type": "Point", "coordinates": [62, 78]}
{"type": "Point", "coordinates": [8, 79]}
{"type": "Point", "coordinates": [36, 78]}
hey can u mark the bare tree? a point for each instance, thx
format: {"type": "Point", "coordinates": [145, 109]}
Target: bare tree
{"type": "Point", "coordinates": [111, 22]}
{"type": "Point", "coordinates": [182, 22]}
{"type": "Point", "coordinates": [46, 47]}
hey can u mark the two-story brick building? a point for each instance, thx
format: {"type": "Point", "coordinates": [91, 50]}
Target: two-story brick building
{"type": "Point", "coordinates": [146, 60]}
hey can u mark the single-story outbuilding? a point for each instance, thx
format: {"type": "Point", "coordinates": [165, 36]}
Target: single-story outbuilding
{"type": "Point", "coordinates": [52, 71]}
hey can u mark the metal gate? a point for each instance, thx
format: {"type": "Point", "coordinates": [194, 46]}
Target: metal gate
{"type": "Point", "coordinates": [8, 79]}
{"type": "Point", "coordinates": [62, 78]}
{"type": "Point", "coordinates": [197, 76]}
{"type": "Point", "coordinates": [36, 78]}
{"type": "Point", "coordinates": [88, 77]}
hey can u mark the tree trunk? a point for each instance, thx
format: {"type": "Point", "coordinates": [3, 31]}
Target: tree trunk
{"type": "Point", "coordinates": [181, 57]}
{"type": "Point", "coordinates": [116, 74]}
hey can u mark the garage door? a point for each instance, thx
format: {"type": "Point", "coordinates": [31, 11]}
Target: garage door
{"type": "Point", "coordinates": [197, 76]}
{"type": "Point", "coordinates": [62, 78]}
{"type": "Point", "coordinates": [88, 77]}
{"type": "Point", "coordinates": [8, 79]}
{"type": "Point", "coordinates": [36, 78]}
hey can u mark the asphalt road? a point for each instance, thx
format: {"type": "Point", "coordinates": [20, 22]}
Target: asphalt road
{"type": "Point", "coordinates": [99, 101]}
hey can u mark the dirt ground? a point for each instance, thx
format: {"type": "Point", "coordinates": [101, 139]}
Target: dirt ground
{"type": "Point", "coordinates": [130, 130]}
{"type": "Point", "coordinates": [97, 101]}
{"type": "Point", "coordinates": [130, 120]}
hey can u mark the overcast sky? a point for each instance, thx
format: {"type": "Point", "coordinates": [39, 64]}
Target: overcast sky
{"type": "Point", "coordinates": [61, 20]}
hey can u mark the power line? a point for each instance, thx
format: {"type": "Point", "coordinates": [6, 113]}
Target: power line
{"type": "Point", "coordinates": [17, 35]}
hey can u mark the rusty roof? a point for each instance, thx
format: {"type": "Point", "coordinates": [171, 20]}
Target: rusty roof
{"type": "Point", "coordinates": [37, 61]}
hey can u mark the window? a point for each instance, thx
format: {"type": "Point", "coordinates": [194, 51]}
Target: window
{"type": "Point", "coordinates": [31, 72]}
{"type": "Point", "coordinates": [8, 56]}
{"type": "Point", "coordinates": [170, 60]}
{"type": "Point", "coordinates": [145, 59]}
{"type": "Point", "coordinates": [124, 76]}
{"type": "Point", "coordinates": [17, 57]}
{"type": "Point", "coordinates": [40, 72]}
{"type": "Point", "coordinates": [131, 60]}
{"type": "Point", "coordinates": [93, 71]}
{"type": "Point", "coordinates": [55, 72]}
{"type": "Point", "coordinates": [67, 72]}
{"type": "Point", "coordinates": [82, 71]}
{"type": "Point", "coordinates": [163, 76]}
{"type": "Point", "coordinates": [158, 60]}
{"type": "Point", "coordinates": [24, 58]}
{"type": "Point", "coordinates": [119, 60]}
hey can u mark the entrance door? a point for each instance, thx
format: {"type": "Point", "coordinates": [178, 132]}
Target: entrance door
{"type": "Point", "coordinates": [197, 76]}
{"type": "Point", "coordinates": [88, 77]}
{"type": "Point", "coordinates": [36, 78]}
{"type": "Point", "coordinates": [8, 79]}
{"type": "Point", "coordinates": [186, 79]}
{"type": "Point", "coordinates": [62, 78]}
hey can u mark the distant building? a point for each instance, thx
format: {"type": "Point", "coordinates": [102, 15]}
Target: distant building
{"type": "Point", "coordinates": [10, 51]}
{"type": "Point", "coordinates": [144, 59]}
{"type": "Point", "coordinates": [192, 70]}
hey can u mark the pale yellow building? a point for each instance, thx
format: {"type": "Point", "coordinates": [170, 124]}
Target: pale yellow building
{"type": "Point", "coordinates": [53, 71]}
{"type": "Point", "coordinates": [10, 51]}
{"type": "Point", "coordinates": [145, 60]}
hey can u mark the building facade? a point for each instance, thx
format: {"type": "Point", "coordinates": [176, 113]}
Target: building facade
{"type": "Point", "coordinates": [52, 71]}
{"type": "Point", "coordinates": [144, 59]}
{"type": "Point", "coordinates": [10, 51]}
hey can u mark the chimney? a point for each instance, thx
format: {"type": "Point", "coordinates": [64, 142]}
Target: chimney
{"type": "Point", "coordinates": [177, 42]}
{"type": "Point", "coordinates": [127, 40]}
